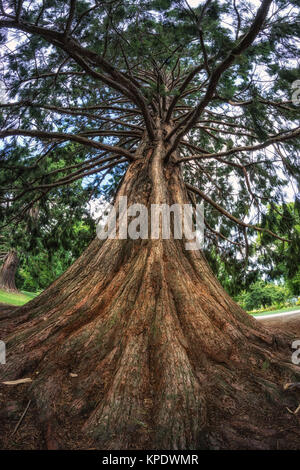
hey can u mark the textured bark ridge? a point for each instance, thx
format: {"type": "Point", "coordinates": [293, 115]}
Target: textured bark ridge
{"type": "Point", "coordinates": [163, 357]}
{"type": "Point", "coordinates": [8, 271]}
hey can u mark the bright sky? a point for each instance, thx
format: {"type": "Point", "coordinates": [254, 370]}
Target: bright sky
{"type": "Point", "coordinates": [193, 3]}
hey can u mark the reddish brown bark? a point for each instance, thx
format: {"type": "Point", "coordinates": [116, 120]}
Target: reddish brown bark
{"type": "Point", "coordinates": [8, 271]}
{"type": "Point", "coordinates": [163, 357]}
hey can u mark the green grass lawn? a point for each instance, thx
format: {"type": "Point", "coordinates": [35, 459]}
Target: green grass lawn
{"type": "Point", "coordinates": [23, 297]}
{"type": "Point", "coordinates": [270, 312]}
{"type": "Point", "coordinates": [14, 298]}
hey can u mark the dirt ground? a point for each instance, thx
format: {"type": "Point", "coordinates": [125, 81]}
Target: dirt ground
{"type": "Point", "coordinates": [26, 434]}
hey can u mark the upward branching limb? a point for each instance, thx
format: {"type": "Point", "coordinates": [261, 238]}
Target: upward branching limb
{"type": "Point", "coordinates": [70, 17]}
{"type": "Point", "coordinates": [191, 119]}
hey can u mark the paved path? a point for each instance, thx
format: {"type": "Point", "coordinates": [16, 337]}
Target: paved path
{"type": "Point", "coordinates": [277, 315]}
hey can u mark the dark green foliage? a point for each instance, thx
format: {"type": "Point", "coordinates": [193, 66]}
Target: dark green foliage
{"type": "Point", "coordinates": [50, 237]}
{"type": "Point", "coordinates": [261, 295]}
{"type": "Point", "coordinates": [278, 259]}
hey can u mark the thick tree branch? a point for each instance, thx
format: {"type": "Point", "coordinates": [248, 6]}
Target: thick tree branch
{"type": "Point", "coordinates": [70, 17]}
{"type": "Point", "coordinates": [64, 137]}
{"type": "Point", "coordinates": [247, 148]}
{"type": "Point", "coordinates": [181, 89]}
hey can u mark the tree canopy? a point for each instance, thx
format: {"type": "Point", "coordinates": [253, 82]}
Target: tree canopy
{"type": "Point", "coordinates": [83, 82]}
{"type": "Point", "coordinates": [137, 345]}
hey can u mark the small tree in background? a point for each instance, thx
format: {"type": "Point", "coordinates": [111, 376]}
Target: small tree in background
{"type": "Point", "coordinates": [38, 243]}
{"type": "Point", "coordinates": [262, 294]}
{"type": "Point", "coordinates": [8, 270]}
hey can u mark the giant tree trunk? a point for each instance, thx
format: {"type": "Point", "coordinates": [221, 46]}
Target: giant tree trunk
{"type": "Point", "coordinates": [8, 271]}
{"type": "Point", "coordinates": [164, 358]}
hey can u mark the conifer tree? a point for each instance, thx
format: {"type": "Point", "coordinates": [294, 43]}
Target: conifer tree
{"type": "Point", "coordinates": [188, 104]}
